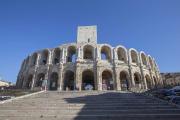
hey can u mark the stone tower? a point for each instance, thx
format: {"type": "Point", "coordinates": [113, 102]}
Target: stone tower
{"type": "Point", "coordinates": [87, 34]}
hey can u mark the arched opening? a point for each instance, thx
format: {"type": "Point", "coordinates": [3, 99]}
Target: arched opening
{"type": "Point", "coordinates": [88, 80]}
{"type": "Point", "coordinates": [71, 56]}
{"type": "Point", "coordinates": [107, 81]}
{"type": "Point", "coordinates": [53, 81]}
{"type": "Point", "coordinates": [56, 56]}
{"type": "Point", "coordinates": [155, 81]}
{"type": "Point", "coordinates": [148, 81]}
{"type": "Point", "coordinates": [121, 52]}
{"type": "Point", "coordinates": [29, 82]}
{"type": "Point", "coordinates": [44, 57]}
{"type": "Point", "coordinates": [106, 53]}
{"type": "Point", "coordinates": [137, 80]}
{"type": "Point", "coordinates": [124, 81]}
{"type": "Point", "coordinates": [34, 59]}
{"type": "Point", "coordinates": [88, 52]}
{"type": "Point", "coordinates": [40, 79]}
{"type": "Point", "coordinates": [69, 80]}
{"type": "Point", "coordinates": [134, 57]}
{"type": "Point", "coordinates": [143, 58]}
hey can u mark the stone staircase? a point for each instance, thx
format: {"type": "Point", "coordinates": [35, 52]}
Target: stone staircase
{"type": "Point", "coordinates": [88, 105]}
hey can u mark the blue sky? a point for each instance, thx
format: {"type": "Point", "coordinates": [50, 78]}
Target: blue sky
{"type": "Point", "coordinates": [29, 25]}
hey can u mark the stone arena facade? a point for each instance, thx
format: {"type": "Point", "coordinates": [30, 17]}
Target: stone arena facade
{"type": "Point", "coordinates": [74, 66]}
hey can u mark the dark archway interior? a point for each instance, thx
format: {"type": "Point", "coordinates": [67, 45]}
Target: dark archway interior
{"type": "Point", "coordinates": [57, 53]}
{"type": "Point", "coordinates": [124, 81]}
{"type": "Point", "coordinates": [53, 81]}
{"type": "Point", "coordinates": [40, 79]}
{"type": "Point", "coordinates": [107, 81]}
{"type": "Point", "coordinates": [69, 81]}
{"type": "Point", "coordinates": [134, 57]}
{"type": "Point", "coordinates": [71, 54]}
{"type": "Point", "coordinates": [88, 52]}
{"type": "Point", "coordinates": [121, 54]}
{"type": "Point", "coordinates": [44, 57]}
{"type": "Point", "coordinates": [106, 53]}
{"type": "Point", "coordinates": [88, 79]}
{"type": "Point", "coordinates": [137, 78]}
{"type": "Point", "coordinates": [29, 82]}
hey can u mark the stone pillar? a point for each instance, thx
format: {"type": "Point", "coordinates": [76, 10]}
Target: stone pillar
{"type": "Point", "coordinates": [78, 78]}
{"type": "Point", "coordinates": [131, 77]}
{"type": "Point", "coordinates": [64, 51]}
{"type": "Point", "coordinates": [98, 54]}
{"type": "Point", "coordinates": [60, 75]}
{"type": "Point", "coordinates": [118, 82]}
{"type": "Point", "coordinates": [115, 54]}
{"type": "Point", "coordinates": [99, 79]}
{"type": "Point", "coordinates": [79, 53]}
{"type": "Point", "coordinates": [33, 81]}
{"type": "Point", "coordinates": [49, 58]}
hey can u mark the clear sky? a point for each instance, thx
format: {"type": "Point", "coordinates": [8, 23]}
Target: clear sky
{"type": "Point", "coordinates": [29, 25]}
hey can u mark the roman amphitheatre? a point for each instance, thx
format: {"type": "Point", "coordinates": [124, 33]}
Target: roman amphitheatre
{"type": "Point", "coordinates": [88, 65]}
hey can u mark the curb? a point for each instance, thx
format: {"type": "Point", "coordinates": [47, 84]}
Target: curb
{"type": "Point", "coordinates": [20, 97]}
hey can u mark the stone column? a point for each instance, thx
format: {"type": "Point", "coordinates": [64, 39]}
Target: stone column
{"type": "Point", "coordinates": [60, 80]}
{"type": "Point", "coordinates": [33, 81]}
{"type": "Point", "coordinates": [99, 79]}
{"type": "Point", "coordinates": [118, 82]}
{"type": "Point", "coordinates": [115, 54]}
{"type": "Point", "coordinates": [131, 77]}
{"type": "Point", "coordinates": [98, 54]}
{"type": "Point", "coordinates": [78, 80]}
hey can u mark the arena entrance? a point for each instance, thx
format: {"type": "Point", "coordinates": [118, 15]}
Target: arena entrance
{"type": "Point", "coordinates": [107, 81]}
{"type": "Point", "coordinates": [137, 80]}
{"type": "Point", "coordinates": [29, 82]}
{"type": "Point", "coordinates": [53, 82]}
{"type": "Point", "coordinates": [124, 81]}
{"type": "Point", "coordinates": [69, 81]}
{"type": "Point", "coordinates": [88, 80]}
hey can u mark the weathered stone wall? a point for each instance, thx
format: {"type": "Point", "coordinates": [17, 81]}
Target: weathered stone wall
{"type": "Point", "coordinates": [66, 66]}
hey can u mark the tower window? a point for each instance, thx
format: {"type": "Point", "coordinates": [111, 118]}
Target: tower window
{"type": "Point", "coordinates": [88, 40]}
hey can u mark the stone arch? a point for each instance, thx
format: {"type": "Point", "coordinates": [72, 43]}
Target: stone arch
{"type": "Point", "coordinates": [155, 81]}
{"type": "Point", "coordinates": [88, 79]}
{"type": "Point", "coordinates": [107, 80]}
{"type": "Point", "coordinates": [53, 84]}
{"type": "Point", "coordinates": [137, 80]}
{"type": "Point", "coordinates": [44, 57]}
{"type": "Point", "coordinates": [150, 61]}
{"type": "Point", "coordinates": [34, 59]}
{"type": "Point", "coordinates": [69, 82]}
{"type": "Point", "coordinates": [40, 78]}
{"type": "Point", "coordinates": [71, 54]}
{"type": "Point", "coordinates": [148, 81]}
{"type": "Point", "coordinates": [29, 81]}
{"type": "Point", "coordinates": [88, 52]}
{"type": "Point", "coordinates": [124, 80]}
{"type": "Point", "coordinates": [134, 56]}
{"type": "Point", "coordinates": [56, 56]}
{"type": "Point", "coordinates": [143, 58]}
{"type": "Point", "coordinates": [122, 54]}
{"type": "Point", "coordinates": [106, 53]}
